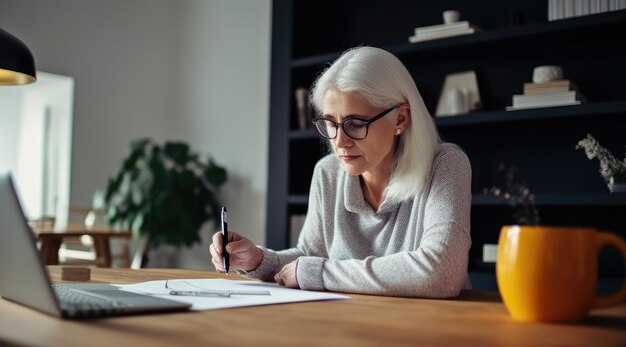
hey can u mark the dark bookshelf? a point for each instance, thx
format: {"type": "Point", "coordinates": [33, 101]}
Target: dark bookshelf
{"type": "Point", "coordinates": [516, 37]}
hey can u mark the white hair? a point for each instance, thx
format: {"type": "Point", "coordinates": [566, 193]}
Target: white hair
{"type": "Point", "coordinates": [382, 79]}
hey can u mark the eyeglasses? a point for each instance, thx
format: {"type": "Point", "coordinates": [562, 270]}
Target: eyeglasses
{"type": "Point", "coordinates": [356, 128]}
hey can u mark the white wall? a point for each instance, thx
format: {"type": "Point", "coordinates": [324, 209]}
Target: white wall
{"type": "Point", "coordinates": [170, 69]}
{"type": "Point", "coordinates": [9, 128]}
{"type": "Point", "coordinates": [224, 99]}
{"type": "Point", "coordinates": [120, 54]}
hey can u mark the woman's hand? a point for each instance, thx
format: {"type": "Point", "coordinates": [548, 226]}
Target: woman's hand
{"type": "Point", "coordinates": [287, 275]}
{"type": "Point", "coordinates": [243, 254]}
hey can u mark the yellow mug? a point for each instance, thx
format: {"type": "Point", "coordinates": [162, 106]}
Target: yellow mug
{"type": "Point", "coordinates": [550, 273]}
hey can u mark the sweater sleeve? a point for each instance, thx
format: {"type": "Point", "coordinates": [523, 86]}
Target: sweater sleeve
{"type": "Point", "coordinates": [310, 241]}
{"type": "Point", "coordinates": [437, 268]}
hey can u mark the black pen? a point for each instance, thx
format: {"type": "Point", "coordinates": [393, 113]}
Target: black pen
{"type": "Point", "coordinates": [225, 259]}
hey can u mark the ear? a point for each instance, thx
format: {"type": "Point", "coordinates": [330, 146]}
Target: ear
{"type": "Point", "coordinates": [403, 119]}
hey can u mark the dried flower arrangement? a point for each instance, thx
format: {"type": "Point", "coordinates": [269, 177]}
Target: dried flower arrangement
{"type": "Point", "coordinates": [516, 194]}
{"type": "Point", "coordinates": [611, 168]}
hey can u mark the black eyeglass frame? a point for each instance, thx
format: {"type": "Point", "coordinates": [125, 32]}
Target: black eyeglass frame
{"type": "Point", "coordinates": [366, 122]}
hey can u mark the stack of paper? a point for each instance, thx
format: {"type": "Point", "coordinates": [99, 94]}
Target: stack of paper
{"type": "Point", "coordinates": [244, 293]}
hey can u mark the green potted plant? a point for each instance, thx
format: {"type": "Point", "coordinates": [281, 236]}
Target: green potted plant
{"type": "Point", "coordinates": [612, 170]}
{"type": "Point", "coordinates": [164, 192]}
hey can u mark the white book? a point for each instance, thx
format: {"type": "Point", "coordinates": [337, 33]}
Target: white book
{"type": "Point", "coordinates": [594, 7]}
{"type": "Point", "coordinates": [513, 108]}
{"type": "Point", "coordinates": [540, 100]}
{"type": "Point", "coordinates": [442, 27]}
{"type": "Point", "coordinates": [567, 96]}
{"type": "Point", "coordinates": [568, 8]}
{"type": "Point", "coordinates": [440, 35]}
{"type": "Point", "coordinates": [560, 9]}
{"type": "Point", "coordinates": [546, 103]}
{"type": "Point", "coordinates": [578, 8]}
{"type": "Point", "coordinates": [604, 6]}
{"type": "Point", "coordinates": [585, 7]}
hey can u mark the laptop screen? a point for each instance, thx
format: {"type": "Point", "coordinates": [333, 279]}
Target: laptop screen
{"type": "Point", "coordinates": [23, 276]}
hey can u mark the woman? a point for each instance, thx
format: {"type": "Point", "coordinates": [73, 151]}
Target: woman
{"type": "Point", "coordinates": [389, 210]}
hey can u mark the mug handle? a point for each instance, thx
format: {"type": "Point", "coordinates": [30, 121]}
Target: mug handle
{"type": "Point", "coordinates": [604, 239]}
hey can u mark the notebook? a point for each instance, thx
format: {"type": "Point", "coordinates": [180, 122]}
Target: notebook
{"type": "Point", "coordinates": [24, 279]}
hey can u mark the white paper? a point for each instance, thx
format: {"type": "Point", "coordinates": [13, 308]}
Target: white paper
{"type": "Point", "coordinates": [278, 294]}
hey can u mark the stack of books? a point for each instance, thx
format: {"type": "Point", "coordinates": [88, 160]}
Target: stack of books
{"type": "Point", "coordinates": [547, 94]}
{"type": "Point", "coordinates": [440, 31]}
{"type": "Point", "coordinates": [561, 9]}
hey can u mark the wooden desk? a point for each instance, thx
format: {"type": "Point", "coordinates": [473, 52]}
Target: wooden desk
{"type": "Point", "coordinates": [51, 242]}
{"type": "Point", "coordinates": [474, 319]}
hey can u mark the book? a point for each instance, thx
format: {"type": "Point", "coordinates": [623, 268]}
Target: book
{"type": "Point", "coordinates": [563, 82]}
{"type": "Point", "coordinates": [562, 9]}
{"type": "Point", "coordinates": [546, 100]}
{"type": "Point", "coordinates": [441, 34]}
{"type": "Point", "coordinates": [549, 98]}
{"type": "Point", "coordinates": [549, 87]}
{"type": "Point", "coordinates": [442, 27]}
{"type": "Point", "coordinates": [514, 108]}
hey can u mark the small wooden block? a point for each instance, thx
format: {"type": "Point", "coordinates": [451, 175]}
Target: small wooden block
{"type": "Point", "coordinates": [75, 274]}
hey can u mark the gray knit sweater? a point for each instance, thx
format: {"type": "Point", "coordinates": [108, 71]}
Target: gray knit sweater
{"type": "Point", "coordinates": [418, 248]}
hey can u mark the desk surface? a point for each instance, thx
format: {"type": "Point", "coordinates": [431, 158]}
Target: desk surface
{"type": "Point", "coordinates": [475, 318]}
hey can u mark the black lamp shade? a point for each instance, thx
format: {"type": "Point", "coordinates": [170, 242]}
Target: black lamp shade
{"type": "Point", "coordinates": [17, 65]}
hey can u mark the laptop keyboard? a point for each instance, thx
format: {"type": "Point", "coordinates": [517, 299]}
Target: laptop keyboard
{"type": "Point", "coordinates": [75, 300]}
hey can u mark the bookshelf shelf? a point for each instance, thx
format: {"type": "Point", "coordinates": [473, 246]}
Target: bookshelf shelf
{"type": "Point", "coordinates": [614, 108]}
{"type": "Point", "coordinates": [485, 36]}
{"type": "Point", "coordinates": [617, 108]}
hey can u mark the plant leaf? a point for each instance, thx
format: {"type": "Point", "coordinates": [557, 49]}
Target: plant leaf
{"type": "Point", "coordinates": [215, 174]}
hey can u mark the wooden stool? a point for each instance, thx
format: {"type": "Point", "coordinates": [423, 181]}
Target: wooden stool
{"type": "Point", "coordinates": [51, 243]}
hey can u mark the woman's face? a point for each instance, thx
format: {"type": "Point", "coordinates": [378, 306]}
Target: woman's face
{"type": "Point", "coordinates": [372, 156]}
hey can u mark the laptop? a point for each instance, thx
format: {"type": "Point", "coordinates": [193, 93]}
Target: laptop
{"type": "Point", "coordinates": [24, 279]}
